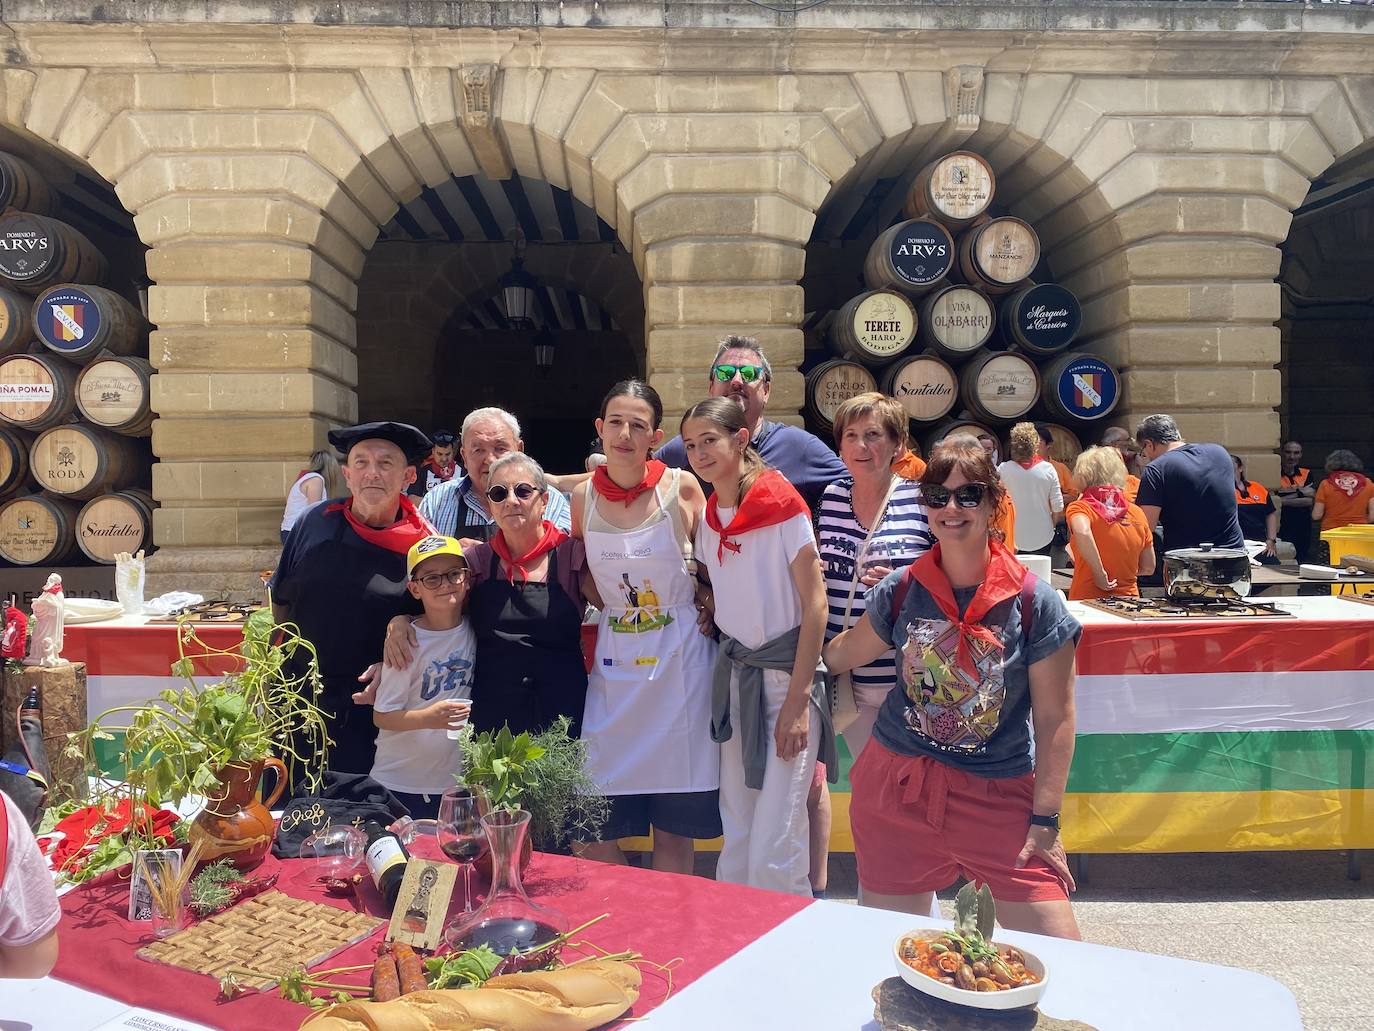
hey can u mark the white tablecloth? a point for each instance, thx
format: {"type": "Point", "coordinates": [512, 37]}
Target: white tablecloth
{"type": "Point", "coordinates": [816, 970]}
{"type": "Point", "coordinates": [49, 1005]}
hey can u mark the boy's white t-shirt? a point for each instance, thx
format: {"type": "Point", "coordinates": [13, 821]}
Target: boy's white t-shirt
{"type": "Point", "coordinates": [424, 762]}
{"type": "Point", "coordinates": [756, 599]}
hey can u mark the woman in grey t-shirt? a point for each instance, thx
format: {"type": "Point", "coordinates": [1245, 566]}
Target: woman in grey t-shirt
{"type": "Point", "coordinates": [947, 787]}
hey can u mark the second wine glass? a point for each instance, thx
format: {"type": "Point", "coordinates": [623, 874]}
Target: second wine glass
{"type": "Point", "coordinates": [460, 832]}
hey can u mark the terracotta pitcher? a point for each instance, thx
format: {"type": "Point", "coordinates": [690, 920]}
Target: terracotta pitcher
{"type": "Point", "coordinates": [236, 825]}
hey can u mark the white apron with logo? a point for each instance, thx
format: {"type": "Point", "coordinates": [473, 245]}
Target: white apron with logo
{"type": "Point", "coordinates": [647, 724]}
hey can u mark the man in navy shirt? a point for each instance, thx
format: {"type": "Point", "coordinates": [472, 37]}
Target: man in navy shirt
{"type": "Point", "coordinates": [1189, 488]}
{"type": "Point", "coordinates": [741, 373]}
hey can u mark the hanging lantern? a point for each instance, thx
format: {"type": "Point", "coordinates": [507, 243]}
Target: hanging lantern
{"type": "Point", "coordinates": [517, 290]}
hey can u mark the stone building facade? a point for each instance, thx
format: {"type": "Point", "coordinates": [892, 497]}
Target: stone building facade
{"type": "Point", "coordinates": [1159, 149]}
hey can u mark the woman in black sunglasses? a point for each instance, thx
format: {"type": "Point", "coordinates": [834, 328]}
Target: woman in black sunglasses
{"type": "Point", "coordinates": [945, 786]}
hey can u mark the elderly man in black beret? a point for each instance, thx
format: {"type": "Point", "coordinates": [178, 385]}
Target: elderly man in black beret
{"type": "Point", "coordinates": [342, 574]}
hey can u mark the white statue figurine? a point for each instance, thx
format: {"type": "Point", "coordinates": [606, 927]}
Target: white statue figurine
{"type": "Point", "coordinates": [45, 646]}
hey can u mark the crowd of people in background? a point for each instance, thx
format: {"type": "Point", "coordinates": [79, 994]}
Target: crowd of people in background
{"type": "Point", "coordinates": [722, 564]}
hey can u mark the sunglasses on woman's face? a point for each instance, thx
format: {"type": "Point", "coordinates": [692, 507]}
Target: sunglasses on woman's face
{"type": "Point", "coordinates": [748, 373]}
{"type": "Point", "coordinates": [499, 493]}
{"type": "Point", "coordinates": [970, 495]}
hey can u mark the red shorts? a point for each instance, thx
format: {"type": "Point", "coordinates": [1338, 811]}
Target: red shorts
{"type": "Point", "coordinates": [919, 824]}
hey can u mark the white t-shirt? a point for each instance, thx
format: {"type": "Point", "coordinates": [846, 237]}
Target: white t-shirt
{"type": "Point", "coordinates": [424, 762]}
{"type": "Point", "coordinates": [1035, 492]}
{"type": "Point", "coordinates": [756, 600]}
{"type": "Point", "coordinates": [28, 903]}
{"type": "Point", "coordinates": [296, 501]}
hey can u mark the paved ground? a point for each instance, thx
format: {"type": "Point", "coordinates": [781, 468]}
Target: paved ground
{"type": "Point", "coordinates": [1293, 916]}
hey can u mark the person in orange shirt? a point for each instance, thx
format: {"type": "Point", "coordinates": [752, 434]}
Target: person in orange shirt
{"type": "Point", "coordinates": [1259, 519]}
{"type": "Point", "coordinates": [1066, 485]}
{"type": "Point", "coordinates": [908, 464]}
{"type": "Point", "coordinates": [1120, 438]}
{"type": "Point", "coordinates": [1345, 497]}
{"type": "Point", "coordinates": [1108, 535]}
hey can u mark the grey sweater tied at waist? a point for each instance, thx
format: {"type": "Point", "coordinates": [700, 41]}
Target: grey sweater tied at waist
{"type": "Point", "coordinates": [756, 738]}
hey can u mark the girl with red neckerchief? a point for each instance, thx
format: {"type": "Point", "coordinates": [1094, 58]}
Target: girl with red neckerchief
{"type": "Point", "coordinates": [648, 719]}
{"type": "Point", "coordinates": [946, 786]}
{"type": "Point", "coordinates": [769, 708]}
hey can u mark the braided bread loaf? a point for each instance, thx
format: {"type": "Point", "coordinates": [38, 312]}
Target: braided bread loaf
{"type": "Point", "coordinates": [577, 998]}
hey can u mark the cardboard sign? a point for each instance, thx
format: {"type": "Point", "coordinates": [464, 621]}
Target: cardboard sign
{"type": "Point", "coordinates": [422, 904]}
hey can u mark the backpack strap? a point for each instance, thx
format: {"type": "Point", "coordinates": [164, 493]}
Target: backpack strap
{"type": "Point", "coordinates": [1027, 602]}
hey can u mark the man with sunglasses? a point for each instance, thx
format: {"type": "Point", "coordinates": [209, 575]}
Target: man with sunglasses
{"type": "Point", "coordinates": [742, 373]}
{"type": "Point", "coordinates": [441, 465]}
{"type": "Point", "coordinates": [461, 507]}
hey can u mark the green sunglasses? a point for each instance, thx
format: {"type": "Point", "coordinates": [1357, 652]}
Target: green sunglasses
{"type": "Point", "coordinates": [748, 373]}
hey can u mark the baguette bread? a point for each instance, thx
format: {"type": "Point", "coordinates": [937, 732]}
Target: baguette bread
{"type": "Point", "coordinates": [575, 999]}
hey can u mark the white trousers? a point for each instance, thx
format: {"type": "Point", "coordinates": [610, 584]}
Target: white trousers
{"type": "Point", "coordinates": [766, 830]}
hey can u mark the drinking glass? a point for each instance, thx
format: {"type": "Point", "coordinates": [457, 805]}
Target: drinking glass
{"type": "Point", "coordinates": [460, 832]}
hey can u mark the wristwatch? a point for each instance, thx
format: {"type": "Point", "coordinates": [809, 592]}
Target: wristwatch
{"type": "Point", "coordinates": [1045, 821]}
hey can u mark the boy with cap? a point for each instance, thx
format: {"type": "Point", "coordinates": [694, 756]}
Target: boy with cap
{"type": "Point", "coordinates": [418, 707]}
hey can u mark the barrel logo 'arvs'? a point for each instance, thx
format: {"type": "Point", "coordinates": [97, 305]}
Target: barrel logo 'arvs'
{"type": "Point", "coordinates": [25, 250]}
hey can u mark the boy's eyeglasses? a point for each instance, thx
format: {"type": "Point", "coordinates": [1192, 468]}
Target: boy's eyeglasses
{"type": "Point", "coordinates": [433, 581]}
{"type": "Point", "coordinates": [748, 373]}
{"type": "Point", "coordinates": [499, 493]}
{"type": "Point", "coordinates": [970, 495]}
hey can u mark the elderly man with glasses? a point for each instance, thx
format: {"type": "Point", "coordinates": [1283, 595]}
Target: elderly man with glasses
{"type": "Point", "coordinates": [461, 508]}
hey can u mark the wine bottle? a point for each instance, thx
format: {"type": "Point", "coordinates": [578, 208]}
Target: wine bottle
{"type": "Point", "coordinates": [386, 861]}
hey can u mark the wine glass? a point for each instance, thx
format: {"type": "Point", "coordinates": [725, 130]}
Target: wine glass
{"type": "Point", "coordinates": [460, 832]}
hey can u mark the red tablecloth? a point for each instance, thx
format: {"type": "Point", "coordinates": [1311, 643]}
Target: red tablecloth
{"type": "Point", "coordinates": [662, 916]}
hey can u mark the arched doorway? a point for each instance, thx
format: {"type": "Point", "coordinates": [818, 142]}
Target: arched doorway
{"type": "Point", "coordinates": [436, 333]}
{"type": "Point", "coordinates": [1327, 323]}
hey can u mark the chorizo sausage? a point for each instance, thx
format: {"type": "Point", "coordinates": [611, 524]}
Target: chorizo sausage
{"type": "Point", "coordinates": [386, 981]}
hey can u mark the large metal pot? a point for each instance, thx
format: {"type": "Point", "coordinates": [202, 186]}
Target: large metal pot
{"type": "Point", "coordinates": [1206, 572]}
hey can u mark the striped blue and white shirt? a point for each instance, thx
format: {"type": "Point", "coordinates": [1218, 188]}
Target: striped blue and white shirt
{"type": "Point", "coordinates": [440, 506]}
{"type": "Point", "coordinates": [901, 538]}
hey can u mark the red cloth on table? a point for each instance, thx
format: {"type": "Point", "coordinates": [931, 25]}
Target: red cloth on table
{"type": "Point", "coordinates": [662, 916]}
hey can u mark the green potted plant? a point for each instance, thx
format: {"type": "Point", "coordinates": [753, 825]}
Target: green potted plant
{"type": "Point", "coordinates": [215, 741]}
{"type": "Point", "coordinates": [543, 773]}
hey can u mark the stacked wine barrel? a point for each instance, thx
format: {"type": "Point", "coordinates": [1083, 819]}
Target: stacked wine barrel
{"type": "Point", "coordinates": [74, 390]}
{"type": "Point", "coordinates": [953, 326]}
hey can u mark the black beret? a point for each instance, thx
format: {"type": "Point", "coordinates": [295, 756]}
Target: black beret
{"type": "Point", "coordinates": [406, 437]}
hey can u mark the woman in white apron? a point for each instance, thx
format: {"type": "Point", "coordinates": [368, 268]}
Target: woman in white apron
{"type": "Point", "coordinates": [647, 723]}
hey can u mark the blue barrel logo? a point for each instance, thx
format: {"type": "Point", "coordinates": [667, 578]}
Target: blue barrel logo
{"type": "Point", "coordinates": [67, 319]}
{"type": "Point", "coordinates": [1087, 387]}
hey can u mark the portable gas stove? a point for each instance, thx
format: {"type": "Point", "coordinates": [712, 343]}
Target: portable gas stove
{"type": "Point", "coordinates": [1141, 609]}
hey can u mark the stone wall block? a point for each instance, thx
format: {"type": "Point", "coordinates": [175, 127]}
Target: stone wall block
{"type": "Point", "coordinates": [125, 141]}
{"type": "Point", "coordinates": [1072, 125]}
{"type": "Point", "coordinates": [1131, 180]}
{"type": "Point", "coordinates": [185, 304]}
{"type": "Point", "coordinates": [1159, 347]}
{"type": "Point", "coordinates": [1253, 431]}
{"type": "Point", "coordinates": [837, 97]}
{"type": "Point", "coordinates": [1040, 101]}
{"type": "Point", "coordinates": [723, 260]}
{"type": "Point", "coordinates": [1113, 142]}
{"type": "Point", "coordinates": [102, 96]}
{"type": "Point", "coordinates": [743, 305]}
{"type": "Point", "coordinates": [251, 90]}
{"type": "Point", "coordinates": [1302, 146]}
{"type": "Point", "coordinates": [173, 91]}
{"type": "Point", "coordinates": [563, 92]}
{"type": "Point", "coordinates": [1226, 388]}
{"type": "Point", "coordinates": [689, 349]}
{"type": "Point", "coordinates": [16, 89]}
{"type": "Point", "coordinates": [885, 95]}
{"type": "Point", "coordinates": [1216, 96]}
{"type": "Point", "coordinates": [238, 437]}
{"type": "Point", "coordinates": [1327, 105]}
{"type": "Point", "coordinates": [518, 100]}
{"type": "Point", "coordinates": [393, 94]}
{"type": "Point", "coordinates": [205, 349]}
{"type": "Point", "coordinates": [224, 481]}
{"type": "Point", "coordinates": [1361, 91]}
{"type": "Point", "coordinates": [1184, 257]}
{"type": "Point", "coordinates": [725, 92]}
{"type": "Point", "coordinates": [244, 261]}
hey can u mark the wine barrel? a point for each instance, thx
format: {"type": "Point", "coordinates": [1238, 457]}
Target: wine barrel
{"type": "Point", "coordinates": [79, 461]}
{"type": "Point", "coordinates": [1041, 318]}
{"type": "Point", "coordinates": [999, 254]}
{"type": "Point", "coordinates": [957, 320]}
{"type": "Point", "coordinates": [999, 387]}
{"type": "Point", "coordinates": [1080, 386]}
{"type": "Point", "coordinates": [78, 322]}
{"type": "Point", "coordinates": [23, 187]}
{"type": "Point", "coordinates": [949, 428]}
{"type": "Point", "coordinates": [114, 394]}
{"type": "Point", "coordinates": [37, 530]}
{"type": "Point", "coordinates": [111, 523]}
{"type": "Point", "coordinates": [955, 189]}
{"type": "Point", "coordinates": [911, 257]}
{"type": "Point", "coordinates": [36, 390]}
{"type": "Point", "coordinates": [926, 387]}
{"type": "Point", "coordinates": [874, 327]}
{"type": "Point", "coordinates": [36, 251]}
{"type": "Point", "coordinates": [1065, 446]}
{"type": "Point", "coordinates": [14, 460]}
{"type": "Point", "coordinates": [832, 383]}
{"type": "Point", "coordinates": [16, 322]}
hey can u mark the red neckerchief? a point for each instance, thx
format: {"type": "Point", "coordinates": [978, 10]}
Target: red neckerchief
{"type": "Point", "coordinates": [771, 500]}
{"type": "Point", "coordinates": [1347, 482]}
{"type": "Point", "coordinates": [438, 471]}
{"type": "Point", "coordinates": [552, 537]}
{"type": "Point", "coordinates": [399, 537]}
{"type": "Point", "coordinates": [612, 491]}
{"type": "Point", "coordinates": [1107, 501]}
{"type": "Point", "coordinates": [1035, 460]}
{"type": "Point", "coordinates": [1001, 581]}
